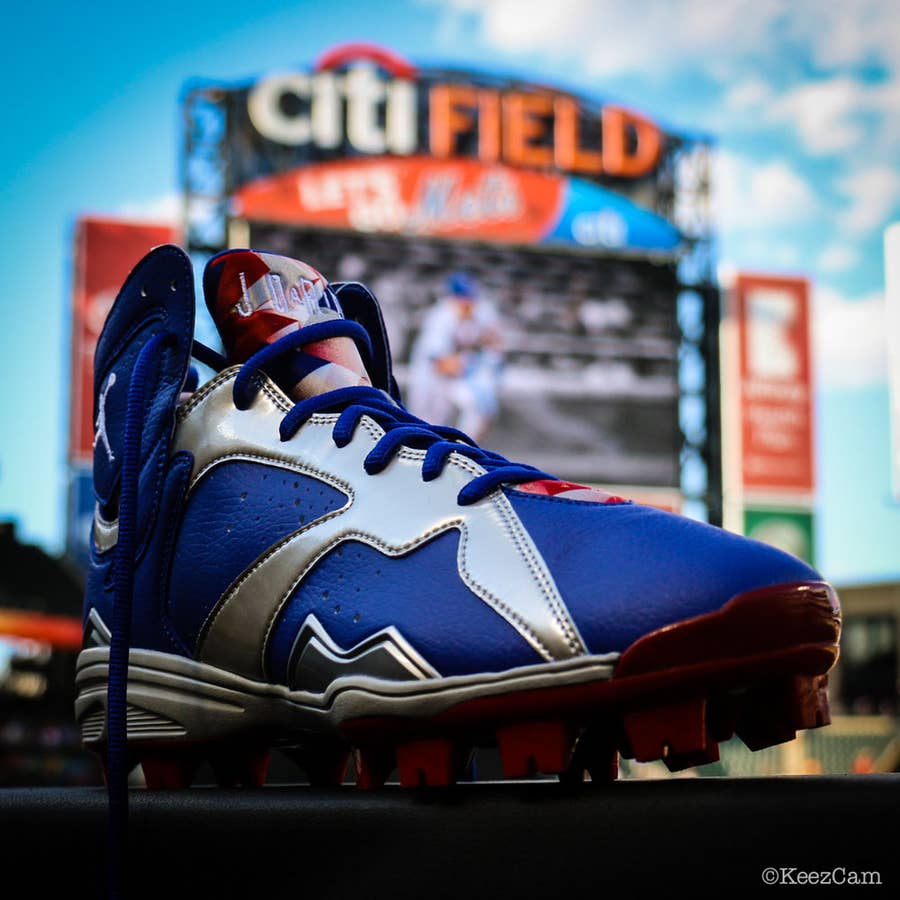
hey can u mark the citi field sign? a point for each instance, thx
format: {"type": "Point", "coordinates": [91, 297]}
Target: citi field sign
{"type": "Point", "coordinates": [368, 141]}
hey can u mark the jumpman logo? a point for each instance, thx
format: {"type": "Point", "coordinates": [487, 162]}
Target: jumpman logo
{"type": "Point", "coordinates": [101, 434]}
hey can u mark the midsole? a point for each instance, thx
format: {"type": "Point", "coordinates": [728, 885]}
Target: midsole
{"type": "Point", "coordinates": [209, 702]}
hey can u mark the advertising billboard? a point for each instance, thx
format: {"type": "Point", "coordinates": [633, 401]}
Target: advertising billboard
{"type": "Point", "coordinates": [564, 217]}
{"type": "Point", "coordinates": [772, 315]}
{"type": "Point", "coordinates": [370, 142]}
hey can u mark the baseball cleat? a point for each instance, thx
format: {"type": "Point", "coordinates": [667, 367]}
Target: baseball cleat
{"type": "Point", "coordinates": [286, 557]}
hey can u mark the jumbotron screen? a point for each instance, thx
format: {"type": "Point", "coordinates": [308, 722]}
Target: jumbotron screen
{"type": "Point", "coordinates": [563, 359]}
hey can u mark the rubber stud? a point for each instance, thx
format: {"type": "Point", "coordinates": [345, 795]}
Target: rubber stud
{"type": "Point", "coordinates": [169, 768]}
{"type": "Point", "coordinates": [675, 762]}
{"type": "Point", "coordinates": [595, 755]}
{"type": "Point", "coordinates": [325, 763]}
{"type": "Point", "coordinates": [373, 765]}
{"type": "Point", "coordinates": [239, 765]}
{"type": "Point", "coordinates": [774, 713]}
{"type": "Point", "coordinates": [808, 698]}
{"type": "Point", "coordinates": [764, 718]}
{"type": "Point", "coordinates": [530, 747]}
{"type": "Point", "coordinates": [721, 717]}
{"type": "Point", "coordinates": [431, 763]}
{"type": "Point", "coordinates": [677, 729]}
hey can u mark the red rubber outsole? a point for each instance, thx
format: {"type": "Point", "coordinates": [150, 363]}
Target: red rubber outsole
{"type": "Point", "coordinates": [757, 668]}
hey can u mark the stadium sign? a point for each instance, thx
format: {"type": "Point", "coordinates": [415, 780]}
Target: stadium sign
{"type": "Point", "coordinates": [370, 102]}
{"type": "Point", "coordinates": [365, 141]}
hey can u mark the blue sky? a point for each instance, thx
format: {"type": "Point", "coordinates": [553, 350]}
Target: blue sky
{"type": "Point", "coordinates": [802, 97]}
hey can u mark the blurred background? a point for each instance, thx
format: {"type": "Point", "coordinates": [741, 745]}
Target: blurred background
{"type": "Point", "coordinates": [649, 243]}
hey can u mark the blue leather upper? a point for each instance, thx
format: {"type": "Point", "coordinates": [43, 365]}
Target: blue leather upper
{"type": "Point", "coordinates": [156, 303]}
{"type": "Point", "coordinates": [624, 570]}
{"type": "Point", "coordinates": [236, 512]}
{"type": "Point", "coordinates": [152, 628]}
{"type": "Point", "coordinates": [420, 593]}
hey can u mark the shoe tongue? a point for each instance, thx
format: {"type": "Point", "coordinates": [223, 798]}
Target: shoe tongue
{"type": "Point", "coordinates": [257, 298]}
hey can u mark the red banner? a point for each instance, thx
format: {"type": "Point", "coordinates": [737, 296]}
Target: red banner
{"type": "Point", "coordinates": [413, 195]}
{"type": "Point", "coordinates": [775, 383]}
{"type": "Point", "coordinates": [106, 250]}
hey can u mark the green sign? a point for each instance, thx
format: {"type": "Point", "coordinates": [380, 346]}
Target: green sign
{"type": "Point", "coordinates": [790, 530]}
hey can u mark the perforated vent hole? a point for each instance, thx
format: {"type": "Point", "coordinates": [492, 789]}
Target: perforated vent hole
{"type": "Point", "coordinates": [356, 618]}
{"type": "Point", "coordinates": [173, 286]}
{"type": "Point", "coordinates": [337, 608]}
{"type": "Point", "coordinates": [143, 291]}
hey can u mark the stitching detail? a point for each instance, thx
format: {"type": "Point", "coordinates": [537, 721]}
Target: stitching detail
{"type": "Point", "coordinates": [202, 393]}
{"type": "Point", "coordinates": [279, 463]}
{"type": "Point", "coordinates": [364, 537]}
{"type": "Point", "coordinates": [276, 396]}
{"type": "Point", "coordinates": [466, 464]}
{"type": "Point", "coordinates": [509, 614]}
{"type": "Point", "coordinates": [538, 573]}
{"type": "Point", "coordinates": [232, 589]}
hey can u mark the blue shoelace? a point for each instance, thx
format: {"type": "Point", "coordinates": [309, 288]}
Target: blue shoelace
{"type": "Point", "coordinates": [120, 641]}
{"type": "Point", "coordinates": [401, 429]}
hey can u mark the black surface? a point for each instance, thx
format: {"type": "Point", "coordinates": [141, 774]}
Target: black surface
{"type": "Point", "coordinates": [693, 836]}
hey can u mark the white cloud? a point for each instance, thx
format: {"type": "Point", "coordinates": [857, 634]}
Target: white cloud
{"type": "Point", "coordinates": [873, 195]}
{"type": "Point", "coordinates": [748, 46]}
{"type": "Point", "coordinates": [758, 196]}
{"type": "Point", "coordinates": [611, 37]}
{"type": "Point", "coordinates": [849, 339]}
{"type": "Point", "coordinates": [824, 114]}
{"type": "Point", "coordinates": [840, 114]}
{"type": "Point", "coordinates": [850, 31]}
{"type": "Point", "coordinates": [641, 36]}
{"type": "Point", "coordinates": [752, 93]}
{"type": "Point", "coordinates": [837, 258]}
{"type": "Point", "coordinates": [166, 208]}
